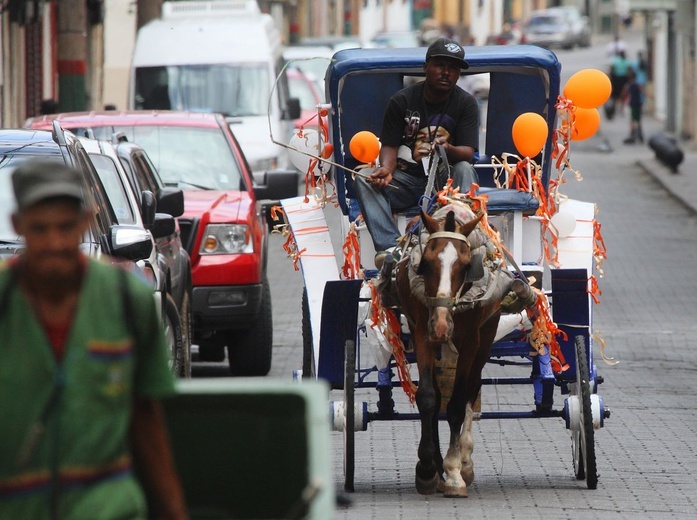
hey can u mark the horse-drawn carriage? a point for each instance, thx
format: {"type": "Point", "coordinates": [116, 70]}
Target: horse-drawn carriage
{"type": "Point", "coordinates": [545, 305]}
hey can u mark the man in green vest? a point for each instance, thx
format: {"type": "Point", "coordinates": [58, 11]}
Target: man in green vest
{"type": "Point", "coordinates": [80, 377]}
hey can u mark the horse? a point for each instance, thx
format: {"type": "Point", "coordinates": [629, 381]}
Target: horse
{"type": "Point", "coordinates": [430, 296]}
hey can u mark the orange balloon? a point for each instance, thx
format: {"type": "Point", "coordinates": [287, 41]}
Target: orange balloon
{"type": "Point", "coordinates": [529, 133]}
{"type": "Point", "coordinates": [588, 88]}
{"type": "Point", "coordinates": [365, 147]}
{"type": "Point", "coordinates": [586, 123]}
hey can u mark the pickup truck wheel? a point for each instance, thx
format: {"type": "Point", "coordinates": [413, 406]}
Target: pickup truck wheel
{"type": "Point", "coordinates": [173, 336]}
{"type": "Point", "coordinates": [186, 326]}
{"type": "Point", "coordinates": [249, 351]}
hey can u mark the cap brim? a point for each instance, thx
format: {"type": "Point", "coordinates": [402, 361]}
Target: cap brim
{"type": "Point", "coordinates": [48, 191]}
{"type": "Point", "coordinates": [462, 63]}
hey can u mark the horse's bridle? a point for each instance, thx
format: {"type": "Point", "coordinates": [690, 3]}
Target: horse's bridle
{"type": "Point", "coordinates": [443, 301]}
{"type": "Point", "coordinates": [451, 235]}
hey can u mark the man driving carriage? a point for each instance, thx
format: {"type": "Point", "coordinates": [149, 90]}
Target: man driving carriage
{"type": "Point", "coordinates": [419, 118]}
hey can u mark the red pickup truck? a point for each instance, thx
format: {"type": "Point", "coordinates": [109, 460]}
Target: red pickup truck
{"type": "Point", "coordinates": [223, 226]}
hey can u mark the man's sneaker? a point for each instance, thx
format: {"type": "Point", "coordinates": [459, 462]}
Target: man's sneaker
{"type": "Point", "coordinates": [381, 255]}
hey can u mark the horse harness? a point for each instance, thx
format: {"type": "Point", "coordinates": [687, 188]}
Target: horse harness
{"type": "Point", "coordinates": [457, 303]}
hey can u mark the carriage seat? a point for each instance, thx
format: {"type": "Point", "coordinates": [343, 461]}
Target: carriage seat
{"type": "Point", "coordinates": [501, 200]}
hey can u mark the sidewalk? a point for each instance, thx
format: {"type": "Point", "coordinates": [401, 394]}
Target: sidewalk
{"type": "Point", "coordinates": [682, 185]}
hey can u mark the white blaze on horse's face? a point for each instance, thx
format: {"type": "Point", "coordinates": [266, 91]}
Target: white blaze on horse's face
{"type": "Point", "coordinates": [441, 324]}
{"type": "Point", "coordinates": [447, 258]}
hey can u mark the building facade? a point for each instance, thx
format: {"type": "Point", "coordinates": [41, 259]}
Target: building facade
{"type": "Point", "coordinates": [78, 52]}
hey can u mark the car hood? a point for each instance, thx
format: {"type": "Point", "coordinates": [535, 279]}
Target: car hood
{"type": "Point", "coordinates": [220, 206]}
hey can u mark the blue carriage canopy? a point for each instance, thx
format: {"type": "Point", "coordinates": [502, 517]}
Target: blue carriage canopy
{"type": "Point", "coordinates": [360, 82]}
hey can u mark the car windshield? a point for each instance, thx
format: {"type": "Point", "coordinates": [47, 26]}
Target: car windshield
{"type": "Point", "coordinates": [234, 90]}
{"type": "Point", "coordinates": [301, 88]}
{"type": "Point", "coordinates": [115, 190]}
{"type": "Point", "coordinates": [545, 20]}
{"type": "Point", "coordinates": [187, 157]}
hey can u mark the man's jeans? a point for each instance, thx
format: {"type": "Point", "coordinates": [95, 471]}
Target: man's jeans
{"type": "Point", "coordinates": [377, 205]}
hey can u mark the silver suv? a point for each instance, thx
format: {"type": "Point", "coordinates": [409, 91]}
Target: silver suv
{"type": "Point", "coordinates": [139, 208]}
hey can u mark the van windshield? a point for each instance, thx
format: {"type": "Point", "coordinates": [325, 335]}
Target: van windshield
{"type": "Point", "coordinates": [234, 90]}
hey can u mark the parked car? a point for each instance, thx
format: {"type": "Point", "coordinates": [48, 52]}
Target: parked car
{"type": "Point", "coordinates": [303, 87]}
{"type": "Point", "coordinates": [311, 60]}
{"type": "Point", "coordinates": [557, 27]}
{"type": "Point", "coordinates": [106, 236]}
{"type": "Point", "coordinates": [579, 24]}
{"type": "Point", "coordinates": [136, 198]}
{"type": "Point", "coordinates": [223, 226]}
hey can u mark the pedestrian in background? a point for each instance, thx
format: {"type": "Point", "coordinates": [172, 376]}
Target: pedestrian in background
{"type": "Point", "coordinates": [80, 380]}
{"type": "Point", "coordinates": [619, 74]}
{"type": "Point", "coordinates": [614, 47]}
{"type": "Point", "coordinates": [635, 98]}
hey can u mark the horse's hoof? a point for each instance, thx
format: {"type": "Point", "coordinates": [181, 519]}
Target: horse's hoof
{"type": "Point", "coordinates": [468, 475]}
{"type": "Point", "coordinates": [429, 486]}
{"type": "Point", "coordinates": [451, 491]}
{"type": "Point", "coordinates": [440, 487]}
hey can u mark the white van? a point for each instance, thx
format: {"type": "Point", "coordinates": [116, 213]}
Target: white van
{"type": "Point", "coordinates": [218, 56]}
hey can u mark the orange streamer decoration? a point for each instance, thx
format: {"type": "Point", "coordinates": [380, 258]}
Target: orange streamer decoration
{"type": "Point", "coordinates": [387, 323]}
{"type": "Point", "coordinates": [545, 331]}
{"type": "Point", "coordinates": [352, 255]}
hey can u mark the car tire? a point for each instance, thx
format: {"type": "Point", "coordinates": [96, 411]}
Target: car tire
{"type": "Point", "coordinates": [249, 351]}
{"type": "Point", "coordinates": [186, 325]}
{"type": "Point", "coordinates": [174, 338]}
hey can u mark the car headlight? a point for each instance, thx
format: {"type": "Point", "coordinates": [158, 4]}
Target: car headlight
{"type": "Point", "coordinates": [225, 239]}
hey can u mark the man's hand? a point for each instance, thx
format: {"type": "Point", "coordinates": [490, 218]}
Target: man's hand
{"type": "Point", "coordinates": [380, 178]}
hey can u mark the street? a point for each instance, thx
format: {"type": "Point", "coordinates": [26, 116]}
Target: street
{"type": "Point", "coordinates": [645, 453]}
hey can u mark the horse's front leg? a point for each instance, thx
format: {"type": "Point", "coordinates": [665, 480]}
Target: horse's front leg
{"type": "Point", "coordinates": [427, 471]}
{"type": "Point", "coordinates": [460, 444]}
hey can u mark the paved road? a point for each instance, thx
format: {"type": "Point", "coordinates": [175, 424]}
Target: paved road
{"type": "Point", "coordinates": [646, 453]}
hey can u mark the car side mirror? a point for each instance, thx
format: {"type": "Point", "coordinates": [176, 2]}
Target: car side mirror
{"type": "Point", "coordinates": [171, 201]}
{"type": "Point", "coordinates": [129, 242]}
{"type": "Point", "coordinates": [293, 108]}
{"type": "Point", "coordinates": [163, 225]}
{"type": "Point", "coordinates": [278, 184]}
{"type": "Point", "coordinates": [148, 207]}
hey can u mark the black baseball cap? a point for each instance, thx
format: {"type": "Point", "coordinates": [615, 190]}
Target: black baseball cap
{"type": "Point", "coordinates": [36, 180]}
{"type": "Point", "coordinates": [446, 48]}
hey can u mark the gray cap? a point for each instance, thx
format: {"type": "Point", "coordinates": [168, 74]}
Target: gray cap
{"type": "Point", "coordinates": [446, 48]}
{"type": "Point", "coordinates": [36, 180]}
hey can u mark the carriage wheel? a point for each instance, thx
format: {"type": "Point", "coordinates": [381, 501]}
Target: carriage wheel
{"type": "Point", "coordinates": [349, 414]}
{"type": "Point", "coordinates": [583, 440]}
{"type": "Point", "coordinates": [309, 371]}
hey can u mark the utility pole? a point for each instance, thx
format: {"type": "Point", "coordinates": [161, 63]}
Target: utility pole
{"type": "Point", "coordinates": [148, 10]}
{"type": "Point", "coordinates": [72, 55]}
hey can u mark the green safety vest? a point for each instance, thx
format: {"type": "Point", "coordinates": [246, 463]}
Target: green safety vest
{"type": "Point", "coordinates": [64, 448]}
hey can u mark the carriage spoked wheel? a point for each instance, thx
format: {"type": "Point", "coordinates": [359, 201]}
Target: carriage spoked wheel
{"type": "Point", "coordinates": [583, 438]}
{"type": "Point", "coordinates": [349, 414]}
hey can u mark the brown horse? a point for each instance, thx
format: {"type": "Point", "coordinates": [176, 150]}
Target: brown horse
{"type": "Point", "coordinates": [429, 296]}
